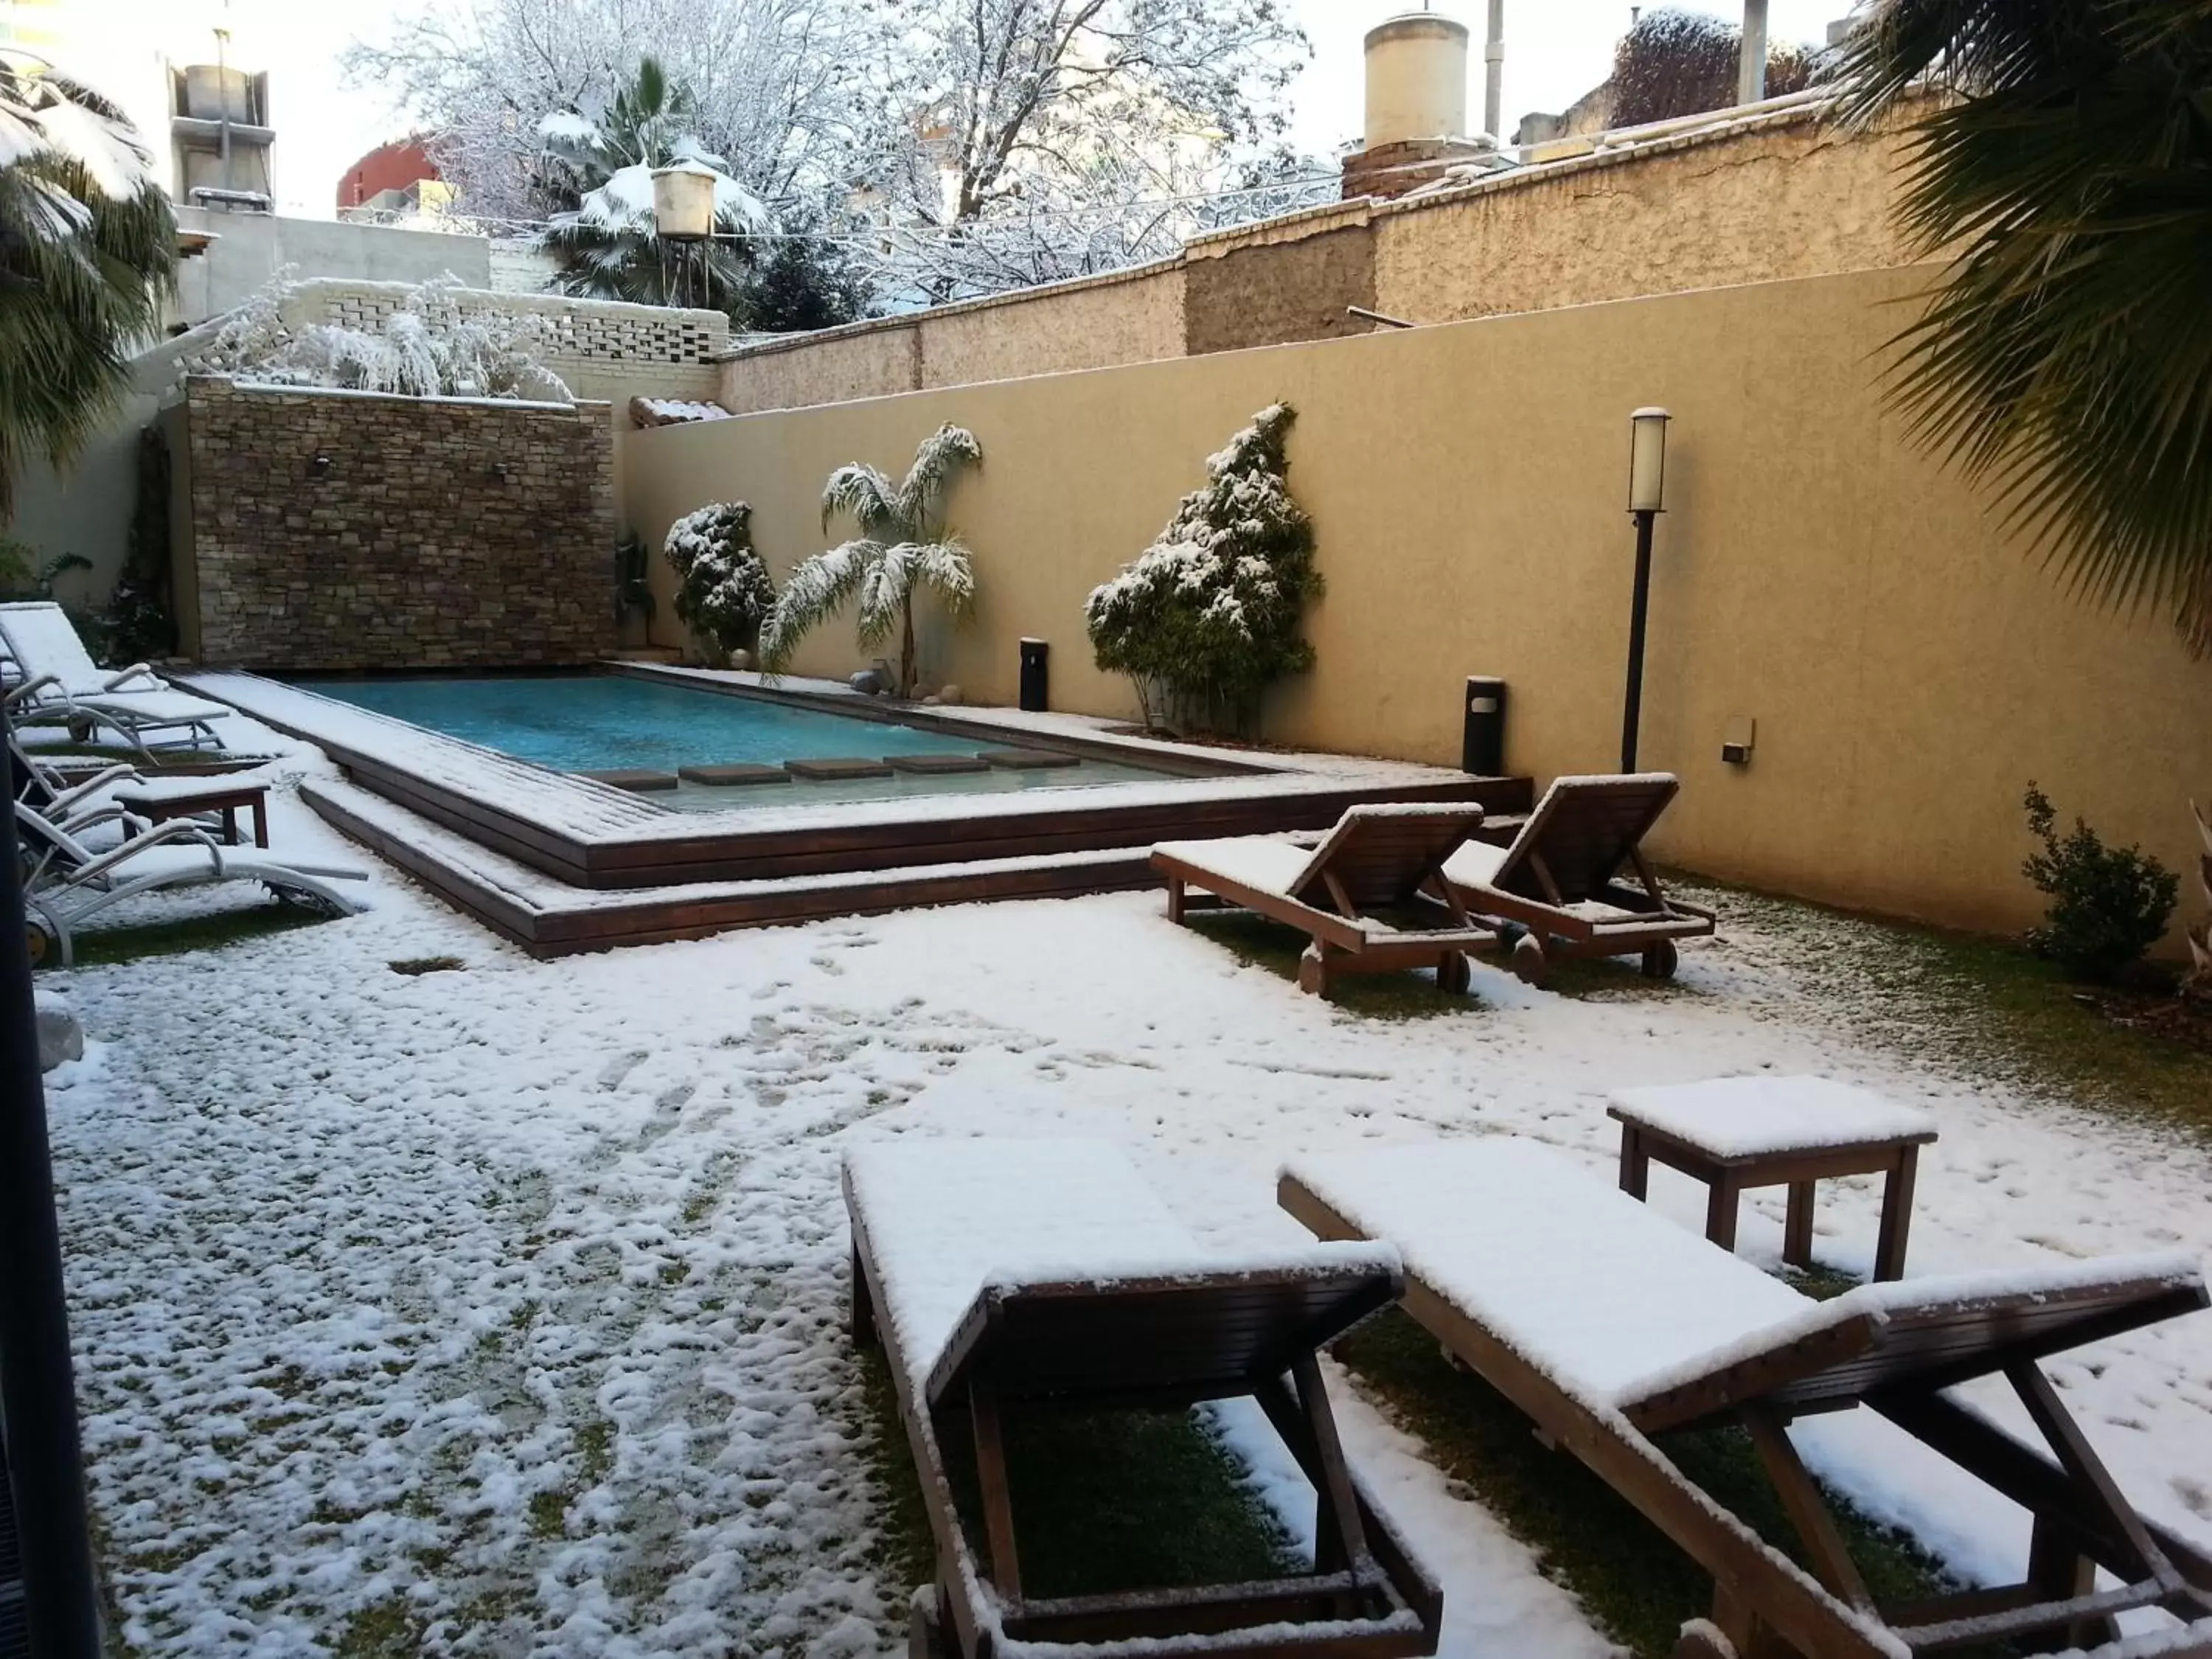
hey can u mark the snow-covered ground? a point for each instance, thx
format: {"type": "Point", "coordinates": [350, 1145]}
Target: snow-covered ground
{"type": "Point", "coordinates": [506, 1301]}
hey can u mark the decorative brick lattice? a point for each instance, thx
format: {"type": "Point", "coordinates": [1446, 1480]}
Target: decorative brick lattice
{"type": "Point", "coordinates": [341, 531]}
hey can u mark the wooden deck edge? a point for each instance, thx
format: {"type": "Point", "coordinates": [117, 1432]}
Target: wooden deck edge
{"type": "Point", "coordinates": [551, 930]}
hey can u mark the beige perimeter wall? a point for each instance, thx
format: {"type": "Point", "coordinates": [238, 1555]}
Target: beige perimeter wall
{"type": "Point", "coordinates": [1910, 668]}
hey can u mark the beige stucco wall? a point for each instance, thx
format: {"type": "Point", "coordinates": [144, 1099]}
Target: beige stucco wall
{"type": "Point", "coordinates": [1785, 198]}
{"type": "Point", "coordinates": [1128, 318]}
{"type": "Point", "coordinates": [1909, 667]}
{"type": "Point", "coordinates": [859, 361]}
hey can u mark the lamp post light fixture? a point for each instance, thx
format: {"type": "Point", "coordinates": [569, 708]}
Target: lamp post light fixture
{"type": "Point", "coordinates": [1647, 495]}
{"type": "Point", "coordinates": [684, 216]}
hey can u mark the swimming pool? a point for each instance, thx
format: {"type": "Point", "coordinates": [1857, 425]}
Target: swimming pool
{"type": "Point", "coordinates": [602, 722]}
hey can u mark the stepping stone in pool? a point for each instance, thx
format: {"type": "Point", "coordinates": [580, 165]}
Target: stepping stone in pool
{"type": "Point", "coordinates": [835, 771]}
{"type": "Point", "coordinates": [1026, 759]}
{"type": "Point", "coordinates": [724, 776]}
{"type": "Point", "coordinates": [637, 780]}
{"type": "Point", "coordinates": [936, 766]}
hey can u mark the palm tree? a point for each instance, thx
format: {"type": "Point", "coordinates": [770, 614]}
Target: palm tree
{"type": "Point", "coordinates": [903, 548]}
{"type": "Point", "coordinates": [88, 250]}
{"type": "Point", "coordinates": [2066, 356]}
{"type": "Point", "coordinates": [604, 240]}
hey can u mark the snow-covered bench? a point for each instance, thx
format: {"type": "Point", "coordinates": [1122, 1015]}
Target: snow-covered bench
{"type": "Point", "coordinates": [1004, 1277]}
{"type": "Point", "coordinates": [1607, 1324]}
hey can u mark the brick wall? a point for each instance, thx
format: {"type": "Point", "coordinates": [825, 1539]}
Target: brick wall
{"type": "Point", "coordinates": [434, 533]}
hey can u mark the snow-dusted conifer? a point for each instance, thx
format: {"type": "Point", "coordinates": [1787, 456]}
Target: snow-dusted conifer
{"type": "Point", "coordinates": [724, 592]}
{"type": "Point", "coordinates": [1209, 615]}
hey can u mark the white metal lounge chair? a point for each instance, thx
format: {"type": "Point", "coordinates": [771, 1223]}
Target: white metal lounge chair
{"type": "Point", "coordinates": [1611, 1326]}
{"type": "Point", "coordinates": [61, 684]}
{"type": "Point", "coordinates": [66, 882]}
{"type": "Point", "coordinates": [1009, 1278]}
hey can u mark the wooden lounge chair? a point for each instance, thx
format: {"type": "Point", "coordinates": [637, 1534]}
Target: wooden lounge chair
{"type": "Point", "coordinates": [1369, 896]}
{"type": "Point", "coordinates": [1608, 1325]}
{"type": "Point", "coordinates": [1561, 878]}
{"type": "Point", "coordinates": [1006, 1278]}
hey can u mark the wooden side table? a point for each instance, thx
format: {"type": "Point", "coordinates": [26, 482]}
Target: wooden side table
{"type": "Point", "coordinates": [1739, 1133]}
{"type": "Point", "coordinates": [168, 799]}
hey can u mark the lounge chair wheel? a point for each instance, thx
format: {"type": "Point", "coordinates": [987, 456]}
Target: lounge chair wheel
{"type": "Point", "coordinates": [1454, 975]}
{"type": "Point", "coordinates": [1661, 960]}
{"type": "Point", "coordinates": [1313, 976]}
{"type": "Point", "coordinates": [1530, 965]}
{"type": "Point", "coordinates": [314, 903]}
{"type": "Point", "coordinates": [44, 943]}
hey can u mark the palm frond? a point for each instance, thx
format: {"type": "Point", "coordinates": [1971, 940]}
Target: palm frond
{"type": "Point", "coordinates": [944, 452]}
{"type": "Point", "coordinates": [817, 591]}
{"type": "Point", "coordinates": [866, 494]}
{"type": "Point", "coordinates": [2066, 359]}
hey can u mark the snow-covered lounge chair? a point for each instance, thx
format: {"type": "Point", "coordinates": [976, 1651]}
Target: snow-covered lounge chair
{"type": "Point", "coordinates": [1561, 878]}
{"type": "Point", "coordinates": [1005, 1277]}
{"type": "Point", "coordinates": [68, 881]}
{"type": "Point", "coordinates": [1609, 1325]}
{"type": "Point", "coordinates": [58, 683]}
{"type": "Point", "coordinates": [1369, 896]}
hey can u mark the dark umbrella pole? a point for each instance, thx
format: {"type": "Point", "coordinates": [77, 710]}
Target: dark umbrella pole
{"type": "Point", "coordinates": [38, 1388]}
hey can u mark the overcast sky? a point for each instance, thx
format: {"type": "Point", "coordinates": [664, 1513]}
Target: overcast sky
{"type": "Point", "coordinates": [1555, 50]}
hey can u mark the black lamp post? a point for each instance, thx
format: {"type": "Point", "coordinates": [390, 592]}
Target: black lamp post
{"type": "Point", "coordinates": [1647, 491]}
{"type": "Point", "coordinates": [38, 1392]}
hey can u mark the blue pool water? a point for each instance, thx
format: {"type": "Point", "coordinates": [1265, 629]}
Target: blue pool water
{"type": "Point", "coordinates": [594, 722]}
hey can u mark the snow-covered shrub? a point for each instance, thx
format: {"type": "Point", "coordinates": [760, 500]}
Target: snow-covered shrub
{"type": "Point", "coordinates": [430, 345]}
{"type": "Point", "coordinates": [2200, 936]}
{"type": "Point", "coordinates": [2108, 904]}
{"type": "Point", "coordinates": [1209, 615]}
{"type": "Point", "coordinates": [723, 589]}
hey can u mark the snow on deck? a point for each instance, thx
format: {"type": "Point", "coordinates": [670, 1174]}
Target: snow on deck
{"type": "Point", "coordinates": [1747, 1116]}
{"type": "Point", "coordinates": [510, 1299]}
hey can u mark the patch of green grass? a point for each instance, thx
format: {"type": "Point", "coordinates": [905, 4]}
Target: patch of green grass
{"type": "Point", "coordinates": [595, 1442]}
{"type": "Point", "coordinates": [549, 1514]}
{"type": "Point", "coordinates": [385, 1630]}
{"type": "Point", "coordinates": [109, 947]}
{"type": "Point", "coordinates": [414, 967]}
{"type": "Point", "coordinates": [1411, 994]}
{"type": "Point", "coordinates": [1635, 1584]}
{"type": "Point", "coordinates": [1982, 1006]}
{"type": "Point", "coordinates": [1103, 1501]}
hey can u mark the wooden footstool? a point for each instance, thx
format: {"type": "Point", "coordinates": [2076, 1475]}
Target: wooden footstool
{"type": "Point", "coordinates": [156, 800]}
{"type": "Point", "coordinates": [1735, 1133]}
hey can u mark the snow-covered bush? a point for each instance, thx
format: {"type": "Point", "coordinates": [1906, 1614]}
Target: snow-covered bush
{"type": "Point", "coordinates": [431, 346]}
{"type": "Point", "coordinates": [723, 590]}
{"type": "Point", "coordinates": [1209, 615]}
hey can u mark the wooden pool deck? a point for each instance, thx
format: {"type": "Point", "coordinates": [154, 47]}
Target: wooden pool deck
{"type": "Point", "coordinates": [558, 863]}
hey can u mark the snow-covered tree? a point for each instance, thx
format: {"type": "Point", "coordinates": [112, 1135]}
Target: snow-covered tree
{"type": "Point", "coordinates": [430, 345]}
{"type": "Point", "coordinates": [608, 246]}
{"type": "Point", "coordinates": [903, 548]}
{"type": "Point", "coordinates": [723, 592]}
{"type": "Point", "coordinates": [1210, 615]}
{"type": "Point", "coordinates": [767, 81]}
{"type": "Point", "coordinates": [1017, 141]}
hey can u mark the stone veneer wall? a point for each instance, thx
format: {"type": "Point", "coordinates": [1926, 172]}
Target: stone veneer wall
{"type": "Point", "coordinates": [442, 533]}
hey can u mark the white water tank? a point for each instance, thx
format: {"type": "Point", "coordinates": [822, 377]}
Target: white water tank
{"type": "Point", "coordinates": [1416, 79]}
